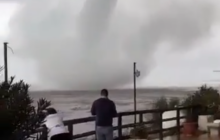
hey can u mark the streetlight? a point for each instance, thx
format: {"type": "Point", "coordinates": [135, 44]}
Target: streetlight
{"type": "Point", "coordinates": [136, 73]}
{"type": "Point", "coordinates": [5, 54]}
{"type": "Point", "coordinates": [6, 61]}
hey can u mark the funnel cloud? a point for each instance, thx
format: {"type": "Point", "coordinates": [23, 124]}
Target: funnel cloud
{"type": "Point", "coordinates": [92, 44]}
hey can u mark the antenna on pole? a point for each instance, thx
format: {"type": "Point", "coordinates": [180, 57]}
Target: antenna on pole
{"type": "Point", "coordinates": [136, 74]}
{"type": "Point", "coordinates": [6, 61]}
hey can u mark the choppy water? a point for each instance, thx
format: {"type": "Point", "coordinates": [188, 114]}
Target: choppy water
{"type": "Point", "coordinates": [76, 104]}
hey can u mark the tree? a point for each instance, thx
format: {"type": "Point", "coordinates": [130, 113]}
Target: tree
{"type": "Point", "coordinates": [19, 117]}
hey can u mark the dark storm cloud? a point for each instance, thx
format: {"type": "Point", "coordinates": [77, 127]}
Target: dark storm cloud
{"type": "Point", "coordinates": [94, 46]}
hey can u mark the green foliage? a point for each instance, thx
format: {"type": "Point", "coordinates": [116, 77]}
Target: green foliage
{"type": "Point", "coordinates": [207, 97]}
{"type": "Point", "coordinates": [140, 132]}
{"type": "Point", "coordinates": [19, 117]}
{"type": "Point", "coordinates": [164, 103]}
{"type": "Point", "coordinates": [161, 103]}
{"type": "Point", "coordinates": [173, 102]}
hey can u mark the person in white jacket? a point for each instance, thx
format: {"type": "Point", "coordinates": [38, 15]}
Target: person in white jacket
{"type": "Point", "coordinates": [55, 126]}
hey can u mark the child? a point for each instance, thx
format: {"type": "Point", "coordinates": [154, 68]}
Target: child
{"type": "Point", "coordinates": [55, 126]}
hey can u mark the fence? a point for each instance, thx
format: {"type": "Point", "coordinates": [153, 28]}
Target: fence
{"type": "Point", "coordinates": [160, 131]}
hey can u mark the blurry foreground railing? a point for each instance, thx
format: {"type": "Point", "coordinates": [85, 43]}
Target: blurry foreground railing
{"type": "Point", "coordinates": [41, 135]}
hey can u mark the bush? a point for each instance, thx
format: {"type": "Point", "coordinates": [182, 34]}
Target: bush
{"type": "Point", "coordinates": [140, 132]}
{"type": "Point", "coordinates": [19, 118]}
{"type": "Point", "coordinates": [206, 97]}
{"type": "Point", "coordinates": [162, 103]}
{"type": "Point", "coordinates": [173, 102]}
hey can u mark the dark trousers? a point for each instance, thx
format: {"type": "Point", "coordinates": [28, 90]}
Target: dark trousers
{"type": "Point", "coordinates": [63, 136]}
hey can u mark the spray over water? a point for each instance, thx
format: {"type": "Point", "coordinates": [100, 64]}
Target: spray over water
{"type": "Point", "coordinates": [92, 44]}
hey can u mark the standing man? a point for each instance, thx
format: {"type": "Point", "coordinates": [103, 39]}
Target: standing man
{"type": "Point", "coordinates": [104, 110]}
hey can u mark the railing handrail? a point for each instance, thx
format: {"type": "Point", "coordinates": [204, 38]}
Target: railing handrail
{"type": "Point", "coordinates": [124, 113]}
{"type": "Point", "coordinates": [119, 127]}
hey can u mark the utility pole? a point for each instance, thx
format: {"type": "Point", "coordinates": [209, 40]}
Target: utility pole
{"type": "Point", "coordinates": [136, 74]}
{"type": "Point", "coordinates": [6, 61]}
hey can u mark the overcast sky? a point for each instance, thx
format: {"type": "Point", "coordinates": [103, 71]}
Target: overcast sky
{"type": "Point", "coordinates": [191, 68]}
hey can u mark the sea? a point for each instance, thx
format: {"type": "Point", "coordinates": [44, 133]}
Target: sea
{"type": "Point", "coordinates": [77, 104]}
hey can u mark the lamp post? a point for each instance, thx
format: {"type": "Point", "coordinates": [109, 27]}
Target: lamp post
{"type": "Point", "coordinates": [136, 73]}
{"type": "Point", "coordinates": [6, 61]}
{"type": "Point", "coordinates": [5, 54]}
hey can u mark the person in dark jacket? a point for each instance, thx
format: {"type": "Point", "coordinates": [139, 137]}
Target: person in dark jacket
{"type": "Point", "coordinates": [104, 110]}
